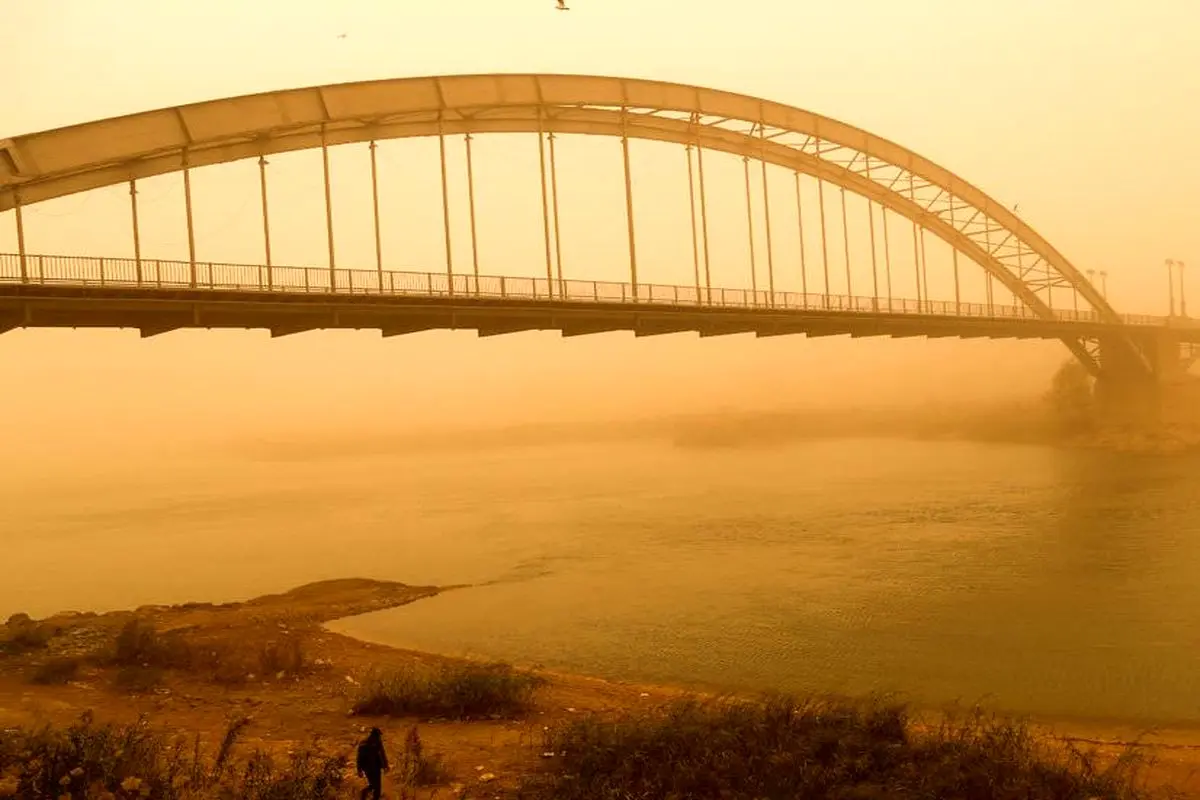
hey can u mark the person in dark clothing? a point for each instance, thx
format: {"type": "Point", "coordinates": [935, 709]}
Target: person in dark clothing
{"type": "Point", "coordinates": [372, 762]}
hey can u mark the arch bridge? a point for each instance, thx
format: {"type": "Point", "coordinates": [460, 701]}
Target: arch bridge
{"type": "Point", "coordinates": [1029, 288]}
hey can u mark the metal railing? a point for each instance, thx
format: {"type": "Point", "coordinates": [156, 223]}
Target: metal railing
{"type": "Point", "coordinates": [148, 273]}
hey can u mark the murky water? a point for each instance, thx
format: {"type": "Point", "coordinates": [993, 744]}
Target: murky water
{"type": "Point", "coordinates": [1056, 583]}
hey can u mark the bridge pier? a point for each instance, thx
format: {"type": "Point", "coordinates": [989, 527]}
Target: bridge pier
{"type": "Point", "coordinates": [1162, 399]}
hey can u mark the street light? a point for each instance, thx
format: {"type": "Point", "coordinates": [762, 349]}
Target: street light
{"type": "Point", "coordinates": [1104, 284]}
{"type": "Point", "coordinates": [1171, 286]}
{"type": "Point", "coordinates": [1182, 291]}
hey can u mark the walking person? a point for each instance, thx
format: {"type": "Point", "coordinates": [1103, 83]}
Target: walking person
{"type": "Point", "coordinates": [371, 763]}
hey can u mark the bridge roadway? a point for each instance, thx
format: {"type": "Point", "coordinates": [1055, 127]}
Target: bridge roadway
{"type": "Point", "coordinates": [157, 296]}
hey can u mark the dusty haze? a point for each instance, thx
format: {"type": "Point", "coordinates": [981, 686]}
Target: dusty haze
{"type": "Point", "coordinates": [1081, 112]}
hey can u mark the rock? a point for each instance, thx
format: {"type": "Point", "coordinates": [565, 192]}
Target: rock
{"type": "Point", "coordinates": [487, 777]}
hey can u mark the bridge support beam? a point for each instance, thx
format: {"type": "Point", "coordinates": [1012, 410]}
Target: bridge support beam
{"type": "Point", "coordinates": [1130, 397]}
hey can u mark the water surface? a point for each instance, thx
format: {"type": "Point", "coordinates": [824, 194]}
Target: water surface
{"type": "Point", "coordinates": [1063, 584]}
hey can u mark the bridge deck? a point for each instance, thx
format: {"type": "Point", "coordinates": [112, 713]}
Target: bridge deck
{"type": "Point", "coordinates": [156, 296]}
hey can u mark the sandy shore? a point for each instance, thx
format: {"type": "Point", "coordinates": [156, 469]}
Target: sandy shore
{"type": "Point", "coordinates": [289, 711]}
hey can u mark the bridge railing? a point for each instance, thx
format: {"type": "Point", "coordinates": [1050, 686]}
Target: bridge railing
{"type": "Point", "coordinates": [216, 276]}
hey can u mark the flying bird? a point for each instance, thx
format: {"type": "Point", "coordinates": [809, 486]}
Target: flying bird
{"type": "Point", "coordinates": [562, 5]}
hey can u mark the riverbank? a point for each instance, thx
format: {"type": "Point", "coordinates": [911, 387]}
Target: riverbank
{"type": "Point", "coordinates": [272, 660]}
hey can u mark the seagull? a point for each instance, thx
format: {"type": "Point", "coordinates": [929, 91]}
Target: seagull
{"type": "Point", "coordinates": [341, 36]}
{"type": "Point", "coordinates": [562, 5]}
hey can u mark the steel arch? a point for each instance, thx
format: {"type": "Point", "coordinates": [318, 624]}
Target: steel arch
{"type": "Point", "coordinates": [42, 166]}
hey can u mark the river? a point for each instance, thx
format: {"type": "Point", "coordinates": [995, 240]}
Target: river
{"type": "Point", "coordinates": [1063, 584]}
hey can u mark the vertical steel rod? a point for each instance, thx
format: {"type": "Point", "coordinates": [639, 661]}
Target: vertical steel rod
{"type": "Point", "coordinates": [629, 203]}
{"type": "Point", "coordinates": [704, 223]}
{"type": "Point", "coordinates": [887, 255]}
{"type": "Point", "coordinates": [917, 267]}
{"type": "Point", "coordinates": [924, 272]}
{"type": "Point", "coordinates": [824, 245]}
{"type": "Point", "coordinates": [750, 232]}
{"type": "Point", "coordinates": [800, 230]}
{"type": "Point", "coordinates": [846, 249]}
{"type": "Point", "coordinates": [471, 209]}
{"type": "Point", "coordinates": [692, 210]}
{"type": "Point", "coordinates": [328, 212]}
{"type": "Point", "coordinates": [137, 234]}
{"type": "Point", "coordinates": [912, 195]}
{"type": "Point", "coordinates": [191, 227]}
{"type": "Point", "coordinates": [266, 220]}
{"type": "Point", "coordinates": [554, 210]}
{"type": "Point", "coordinates": [375, 215]}
{"type": "Point", "coordinates": [545, 204]}
{"type": "Point", "coordinates": [20, 237]}
{"type": "Point", "coordinates": [874, 258]}
{"type": "Point", "coordinates": [987, 249]}
{"type": "Point", "coordinates": [954, 256]}
{"type": "Point", "coordinates": [446, 208]}
{"type": "Point", "coordinates": [767, 218]}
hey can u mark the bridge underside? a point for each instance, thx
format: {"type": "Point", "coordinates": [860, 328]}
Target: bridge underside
{"type": "Point", "coordinates": [156, 311]}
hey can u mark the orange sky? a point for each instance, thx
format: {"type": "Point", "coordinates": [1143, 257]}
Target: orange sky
{"type": "Point", "coordinates": [1081, 111]}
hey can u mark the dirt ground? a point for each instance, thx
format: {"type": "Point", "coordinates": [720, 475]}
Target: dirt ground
{"type": "Point", "coordinates": [290, 711]}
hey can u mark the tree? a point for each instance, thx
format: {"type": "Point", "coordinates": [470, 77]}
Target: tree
{"type": "Point", "coordinates": [1072, 403]}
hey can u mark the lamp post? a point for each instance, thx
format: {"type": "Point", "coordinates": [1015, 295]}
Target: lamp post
{"type": "Point", "coordinates": [1182, 291]}
{"type": "Point", "coordinates": [1104, 284]}
{"type": "Point", "coordinates": [1171, 287]}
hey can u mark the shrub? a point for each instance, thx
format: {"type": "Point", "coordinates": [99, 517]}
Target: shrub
{"type": "Point", "coordinates": [419, 768]}
{"type": "Point", "coordinates": [457, 691]}
{"type": "Point", "coordinates": [139, 644]}
{"type": "Point", "coordinates": [782, 748]}
{"type": "Point", "coordinates": [137, 679]}
{"type": "Point", "coordinates": [21, 635]}
{"type": "Point", "coordinates": [225, 661]}
{"type": "Point", "coordinates": [89, 760]}
{"type": "Point", "coordinates": [55, 671]}
{"type": "Point", "coordinates": [285, 656]}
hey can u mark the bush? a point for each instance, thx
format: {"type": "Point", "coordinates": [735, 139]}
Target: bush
{"type": "Point", "coordinates": [22, 634]}
{"type": "Point", "coordinates": [230, 662]}
{"type": "Point", "coordinates": [419, 768]}
{"type": "Point", "coordinates": [782, 748]}
{"type": "Point", "coordinates": [137, 679]}
{"type": "Point", "coordinates": [139, 644]}
{"type": "Point", "coordinates": [457, 691]}
{"type": "Point", "coordinates": [89, 760]}
{"type": "Point", "coordinates": [286, 656]}
{"type": "Point", "coordinates": [55, 671]}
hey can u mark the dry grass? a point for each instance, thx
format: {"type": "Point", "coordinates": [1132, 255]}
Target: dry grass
{"type": "Point", "coordinates": [231, 660]}
{"type": "Point", "coordinates": [784, 748]}
{"type": "Point", "coordinates": [56, 671]}
{"type": "Point", "coordinates": [418, 767]}
{"type": "Point", "coordinates": [453, 691]}
{"type": "Point", "coordinates": [20, 634]}
{"type": "Point", "coordinates": [90, 760]}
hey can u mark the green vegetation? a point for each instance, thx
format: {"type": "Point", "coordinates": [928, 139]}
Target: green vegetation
{"type": "Point", "coordinates": [454, 691]}
{"type": "Point", "coordinates": [781, 747]}
{"type": "Point", "coordinates": [136, 761]}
